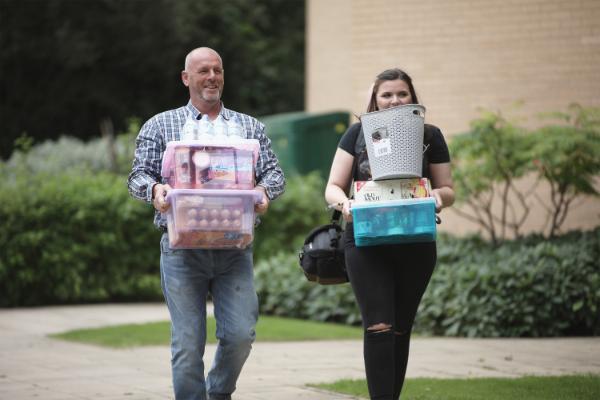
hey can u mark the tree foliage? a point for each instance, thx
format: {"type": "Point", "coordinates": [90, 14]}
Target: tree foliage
{"type": "Point", "coordinates": [490, 159]}
{"type": "Point", "coordinates": [567, 156]}
{"type": "Point", "coordinates": [487, 161]}
{"type": "Point", "coordinates": [68, 65]}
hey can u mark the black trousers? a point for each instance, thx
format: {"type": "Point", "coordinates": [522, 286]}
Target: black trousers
{"type": "Point", "coordinates": [388, 282]}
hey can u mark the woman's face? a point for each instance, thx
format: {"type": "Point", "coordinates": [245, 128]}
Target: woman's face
{"type": "Point", "coordinates": [393, 93]}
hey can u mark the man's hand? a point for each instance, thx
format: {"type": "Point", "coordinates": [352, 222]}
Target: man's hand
{"type": "Point", "coordinates": [159, 194]}
{"type": "Point", "coordinates": [261, 208]}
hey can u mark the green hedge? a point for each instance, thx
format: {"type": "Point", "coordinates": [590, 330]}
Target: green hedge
{"type": "Point", "coordinates": [532, 287]}
{"type": "Point", "coordinates": [75, 238]}
{"type": "Point", "coordinates": [79, 237]}
{"type": "Point", "coordinates": [72, 238]}
{"type": "Point", "coordinates": [284, 291]}
{"type": "Point", "coordinates": [291, 216]}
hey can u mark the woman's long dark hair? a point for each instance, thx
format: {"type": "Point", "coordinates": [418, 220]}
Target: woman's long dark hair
{"type": "Point", "coordinates": [391, 75]}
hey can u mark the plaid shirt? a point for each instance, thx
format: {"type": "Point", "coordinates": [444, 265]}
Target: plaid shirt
{"type": "Point", "coordinates": [152, 140]}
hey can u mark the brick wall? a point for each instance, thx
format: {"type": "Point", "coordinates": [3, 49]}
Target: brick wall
{"type": "Point", "coordinates": [462, 55]}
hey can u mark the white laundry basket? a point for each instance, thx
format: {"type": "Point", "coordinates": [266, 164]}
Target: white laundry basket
{"type": "Point", "coordinates": [394, 139]}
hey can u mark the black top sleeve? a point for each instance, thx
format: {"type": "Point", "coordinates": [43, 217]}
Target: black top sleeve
{"type": "Point", "coordinates": [349, 138]}
{"type": "Point", "coordinates": [438, 152]}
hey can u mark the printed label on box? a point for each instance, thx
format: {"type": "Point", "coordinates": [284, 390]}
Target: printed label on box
{"type": "Point", "coordinates": [182, 167]}
{"type": "Point", "coordinates": [393, 189]}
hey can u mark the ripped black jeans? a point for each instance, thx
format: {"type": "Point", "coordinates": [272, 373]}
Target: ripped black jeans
{"type": "Point", "coordinates": [388, 283]}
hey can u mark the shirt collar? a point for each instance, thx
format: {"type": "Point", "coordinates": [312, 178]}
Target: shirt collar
{"type": "Point", "coordinates": [193, 111]}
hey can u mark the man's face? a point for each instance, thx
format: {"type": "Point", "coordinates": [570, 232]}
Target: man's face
{"type": "Point", "coordinates": [204, 77]}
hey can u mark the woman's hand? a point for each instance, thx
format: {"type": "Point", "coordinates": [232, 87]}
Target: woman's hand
{"type": "Point", "coordinates": [439, 203]}
{"type": "Point", "coordinates": [346, 210]}
{"type": "Point", "coordinates": [441, 180]}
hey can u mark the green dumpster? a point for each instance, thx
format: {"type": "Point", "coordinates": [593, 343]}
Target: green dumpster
{"type": "Point", "coordinates": [306, 142]}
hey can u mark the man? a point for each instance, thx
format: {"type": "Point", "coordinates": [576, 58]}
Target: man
{"type": "Point", "coordinates": [188, 276]}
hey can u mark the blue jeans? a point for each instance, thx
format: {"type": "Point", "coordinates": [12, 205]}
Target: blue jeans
{"type": "Point", "coordinates": [187, 277]}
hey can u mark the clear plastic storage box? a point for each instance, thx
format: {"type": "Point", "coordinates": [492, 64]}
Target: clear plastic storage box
{"type": "Point", "coordinates": [217, 164]}
{"type": "Point", "coordinates": [397, 221]}
{"type": "Point", "coordinates": [211, 219]}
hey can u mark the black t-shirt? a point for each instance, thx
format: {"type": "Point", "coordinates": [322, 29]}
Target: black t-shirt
{"type": "Point", "coordinates": [435, 149]}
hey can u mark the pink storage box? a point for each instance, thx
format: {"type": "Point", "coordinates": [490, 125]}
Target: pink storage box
{"type": "Point", "coordinates": [218, 164]}
{"type": "Point", "coordinates": [211, 219]}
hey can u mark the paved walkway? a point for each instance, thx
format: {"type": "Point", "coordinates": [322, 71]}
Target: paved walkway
{"type": "Point", "coordinates": [33, 366]}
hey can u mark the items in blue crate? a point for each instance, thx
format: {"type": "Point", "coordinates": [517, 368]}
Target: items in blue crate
{"type": "Point", "coordinates": [397, 221]}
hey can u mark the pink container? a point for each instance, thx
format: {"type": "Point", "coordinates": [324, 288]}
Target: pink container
{"type": "Point", "coordinates": [211, 219]}
{"type": "Point", "coordinates": [220, 164]}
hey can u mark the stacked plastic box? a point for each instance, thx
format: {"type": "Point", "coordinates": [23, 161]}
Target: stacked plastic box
{"type": "Point", "coordinates": [396, 207]}
{"type": "Point", "coordinates": [213, 195]}
{"type": "Point", "coordinates": [395, 221]}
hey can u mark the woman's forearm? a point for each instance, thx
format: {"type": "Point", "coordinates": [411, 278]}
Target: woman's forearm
{"type": "Point", "coordinates": [335, 195]}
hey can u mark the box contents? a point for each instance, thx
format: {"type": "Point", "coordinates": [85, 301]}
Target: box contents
{"type": "Point", "coordinates": [396, 221]}
{"type": "Point", "coordinates": [182, 165]}
{"type": "Point", "coordinates": [226, 163]}
{"type": "Point", "coordinates": [393, 189]}
{"type": "Point", "coordinates": [211, 219]}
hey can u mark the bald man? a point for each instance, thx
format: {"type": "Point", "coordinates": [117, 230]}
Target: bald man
{"type": "Point", "coordinates": [188, 276]}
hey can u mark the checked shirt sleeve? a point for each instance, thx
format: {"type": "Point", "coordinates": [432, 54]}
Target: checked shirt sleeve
{"type": "Point", "coordinates": [268, 171]}
{"type": "Point", "coordinates": [147, 162]}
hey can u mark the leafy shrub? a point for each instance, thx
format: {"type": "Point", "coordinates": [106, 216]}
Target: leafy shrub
{"type": "Point", "coordinates": [292, 216]}
{"type": "Point", "coordinates": [566, 156]}
{"type": "Point", "coordinates": [530, 287]}
{"type": "Point", "coordinates": [70, 238]}
{"type": "Point", "coordinates": [283, 290]}
{"type": "Point", "coordinates": [72, 233]}
{"type": "Point", "coordinates": [489, 159]}
{"type": "Point", "coordinates": [69, 154]}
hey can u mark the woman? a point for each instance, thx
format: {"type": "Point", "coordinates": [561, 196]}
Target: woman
{"type": "Point", "coordinates": [388, 280]}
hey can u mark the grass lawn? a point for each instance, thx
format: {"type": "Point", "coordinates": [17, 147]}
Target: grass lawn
{"type": "Point", "coordinates": [268, 329]}
{"type": "Point", "coordinates": [577, 387]}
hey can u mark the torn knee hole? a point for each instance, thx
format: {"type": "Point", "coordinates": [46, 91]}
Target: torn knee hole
{"type": "Point", "coordinates": [377, 328]}
{"type": "Point", "coordinates": [400, 333]}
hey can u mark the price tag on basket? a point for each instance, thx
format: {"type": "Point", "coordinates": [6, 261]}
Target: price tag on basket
{"type": "Point", "coordinates": [382, 145]}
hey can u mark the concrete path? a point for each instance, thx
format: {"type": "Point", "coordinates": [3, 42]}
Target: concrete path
{"type": "Point", "coordinates": [33, 366]}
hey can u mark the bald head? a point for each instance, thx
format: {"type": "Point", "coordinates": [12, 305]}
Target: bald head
{"type": "Point", "coordinates": [204, 77]}
{"type": "Point", "coordinates": [200, 53]}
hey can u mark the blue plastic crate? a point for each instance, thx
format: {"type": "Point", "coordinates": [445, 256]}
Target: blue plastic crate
{"type": "Point", "coordinates": [390, 222]}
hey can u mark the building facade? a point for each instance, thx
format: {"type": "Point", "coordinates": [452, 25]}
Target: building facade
{"type": "Point", "coordinates": [463, 56]}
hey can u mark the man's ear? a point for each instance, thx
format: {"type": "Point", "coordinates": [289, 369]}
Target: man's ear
{"type": "Point", "coordinates": [184, 78]}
